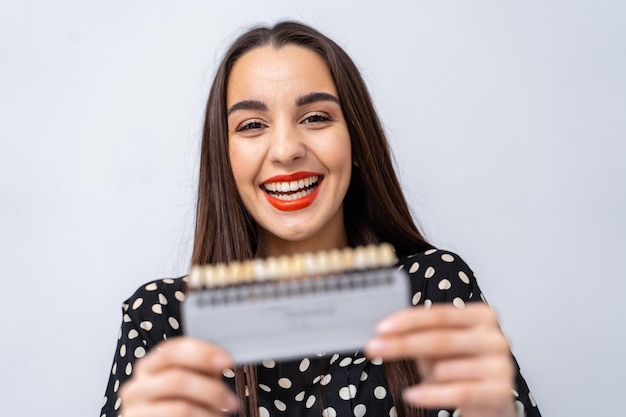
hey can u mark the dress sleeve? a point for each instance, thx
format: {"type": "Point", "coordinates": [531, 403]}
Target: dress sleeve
{"type": "Point", "coordinates": [148, 317]}
{"type": "Point", "coordinates": [439, 276]}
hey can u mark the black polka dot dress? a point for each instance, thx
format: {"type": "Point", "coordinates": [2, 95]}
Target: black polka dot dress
{"type": "Point", "coordinates": [328, 384]}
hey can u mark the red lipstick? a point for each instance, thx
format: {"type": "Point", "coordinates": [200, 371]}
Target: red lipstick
{"type": "Point", "coordinates": [273, 188]}
{"type": "Point", "coordinates": [296, 176]}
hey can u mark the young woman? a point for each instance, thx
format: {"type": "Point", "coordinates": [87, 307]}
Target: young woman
{"type": "Point", "coordinates": [294, 159]}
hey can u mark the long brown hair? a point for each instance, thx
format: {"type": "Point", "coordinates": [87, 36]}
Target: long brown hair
{"type": "Point", "coordinates": [375, 209]}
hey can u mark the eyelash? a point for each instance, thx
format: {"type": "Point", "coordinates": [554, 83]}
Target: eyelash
{"type": "Point", "coordinates": [319, 118]}
{"type": "Point", "coordinates": [249, 126]}
{"type": "Point", "coordinates": [253, 125]}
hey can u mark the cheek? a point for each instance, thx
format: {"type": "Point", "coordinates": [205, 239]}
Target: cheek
{"type": "Point", "coordinates": [339, 154]}
{"type": "Point", "coordinates": [244, 162]}
{"type": "Point", "coordinates": [238, 164]}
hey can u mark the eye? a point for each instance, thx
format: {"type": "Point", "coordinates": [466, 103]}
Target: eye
{"type": "Point", "coordinates": [316, 118]}
{"type": "Point", "coordinates": [249, 126]}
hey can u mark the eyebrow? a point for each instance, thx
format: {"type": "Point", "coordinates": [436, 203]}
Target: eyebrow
{"type": "Point", "coordinates": [247, 105]}
{"type": "Point", "coordinates": [313, 97]}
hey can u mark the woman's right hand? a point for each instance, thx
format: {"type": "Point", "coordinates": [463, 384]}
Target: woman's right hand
{"type": "Point", "coordinates": [181, 377]}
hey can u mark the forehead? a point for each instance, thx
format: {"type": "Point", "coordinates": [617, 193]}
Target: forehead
{"type": "Point", "coordinates": [267, 71]}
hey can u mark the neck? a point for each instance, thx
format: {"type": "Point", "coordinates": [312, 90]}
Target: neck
{"type": "Point", "coordinates": [326, 239]}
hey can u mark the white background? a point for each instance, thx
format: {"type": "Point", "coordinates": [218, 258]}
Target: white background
{"type": "Point", "coordinates": [508, 124]}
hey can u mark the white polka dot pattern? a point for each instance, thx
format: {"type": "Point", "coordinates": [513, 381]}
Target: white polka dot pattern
{"type": "Point", "coordinates": [359, 410]}
{"type": "Point", "coordinates": [328, 384]}
{"type": "Point", "coordinates": [326, 379]}
{"type": "Point", "coordinates": [329, 412]}
{"type": "Point", "coordinates": [140, 352]}
{"type": "Point", "coordinates": [458, 302]}
{"type": "Point", "coordinates": [137, 303]}
{"type": "Point", "coordinates": [347, 393]}
{"type": "Point", "coordinates": [173, 322]}
{"type": "Point", "coordinates": [380, 392]}
{"type": "Point", "coordinates": [280, 405]}
{"type": "Point", "coordinates": [284, 383]}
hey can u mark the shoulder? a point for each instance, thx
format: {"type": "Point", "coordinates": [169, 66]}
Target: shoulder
{"type": "Point", "coordinates": [440, 276]}
{"type": "Point", "coordinates": [155, 307]}
{"type": "Point", "coordinates": [434, 261]}
{"type": "Point", "coordinates": [159, 291]}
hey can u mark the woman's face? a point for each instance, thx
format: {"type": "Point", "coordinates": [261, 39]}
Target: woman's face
{"type": "Point", "coordinates": [289, 148]}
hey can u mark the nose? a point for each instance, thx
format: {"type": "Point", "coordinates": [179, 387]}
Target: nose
{"type": "Point", "coordinates": [286, 144]}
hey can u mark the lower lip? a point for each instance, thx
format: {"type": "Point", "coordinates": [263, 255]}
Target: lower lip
{"type": "Point", "coordinates": [291, 205]}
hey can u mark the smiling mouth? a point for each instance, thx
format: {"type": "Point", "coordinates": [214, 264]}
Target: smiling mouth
{"type": "Point", "coordinates": [292, 190]}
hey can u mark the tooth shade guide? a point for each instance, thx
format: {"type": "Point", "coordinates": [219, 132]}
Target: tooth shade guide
{"type": "Point", "coordinates": [294, 267]}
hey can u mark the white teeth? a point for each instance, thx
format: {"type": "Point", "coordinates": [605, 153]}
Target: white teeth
{"type": "Point", "coordinates": [298, 189]}
{"type": "Point", "coordinates": [293, 196]}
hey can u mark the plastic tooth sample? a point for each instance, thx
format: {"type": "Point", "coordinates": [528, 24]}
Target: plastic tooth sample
{"type": "Point", "coordinates": [371, 256]}
{"type": "Point", "coordinates": [323, 263]}
{"type": "Point", "coordinates": [235, 272]}
{"type": "Point", "coordinates": [347, 258]}
{"type": "Point", "coordinates": [335, 262]}
{"type": "Point", "coordinates": [387, 255]}
{"type": "Point", "coordinates": [282, 267]}
{"type": "Point", "coordinates": [195, 277]}
{"type": "Point", "coordinates": [221, 275]}
{"type": "Point", "coordinates": [271, 264]}
{"type": "Point", "coordinates": [248, 272]}
{"type": "Point", "coordinates": [360, 258]}
{"type": "Point", "coordinates": [296, 266]}
{"type": "Point", "coordinates": [310, 264]}
{"type": "Point", "coordinates": [260, 270]}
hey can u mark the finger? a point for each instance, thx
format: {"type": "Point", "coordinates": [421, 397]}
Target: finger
{"type": "Point", "coordinates": [437, 344]}
{"type": "Point", "coordinates": [180, 384]}
{"type": "Point", "coordinates": [185, 352]}
{"type": "Point", "coordinates": [488, 367]}
{"type": "Point", "coordinates": [471, 395]}
{"type": "Point", "coordinates": [438, 316]}
{"type": "Point", "coordinates": [424, 367]}
{"type": "Point", "coordinates": [169, 408]}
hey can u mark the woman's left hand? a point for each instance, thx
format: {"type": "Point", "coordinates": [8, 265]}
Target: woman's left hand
{"type": "Point", "coordinates": [462, 356]}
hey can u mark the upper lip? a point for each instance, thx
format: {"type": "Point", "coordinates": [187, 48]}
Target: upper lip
{"type": "Point", "coordinates": [291, 177]}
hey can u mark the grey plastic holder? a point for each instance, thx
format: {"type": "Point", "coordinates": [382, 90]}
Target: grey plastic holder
{"type": "Point", "coordinates": [282, 320]}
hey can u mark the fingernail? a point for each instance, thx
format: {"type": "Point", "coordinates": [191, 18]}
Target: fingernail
{"type": "Point", "coordinates": [375, 347]}
{"type": "Point", "coordinates": [232, 403]}
{"type": "Point", "coordinates": [384, 326]}
{"type": "Point", "coordinates": [222, 361]}
{"type": "Point", "coordinates": [412, 395]}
